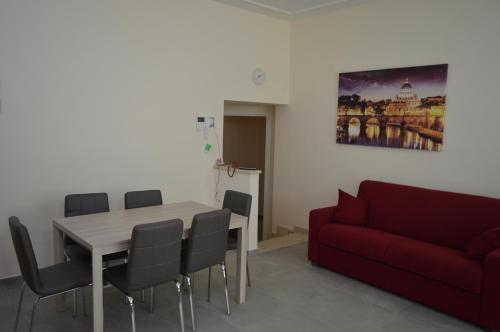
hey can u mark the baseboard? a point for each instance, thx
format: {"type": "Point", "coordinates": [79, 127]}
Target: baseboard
{"type": "Point", "coordinates": [12, 279]}
{"type": "Point", "coordinates": [281, 231]}
{"type": "Point", "coordinates": [301, 230]}
{"type": "Point", "coordinates": [253, 252]}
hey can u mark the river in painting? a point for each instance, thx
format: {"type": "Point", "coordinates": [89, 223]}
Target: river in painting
{"type": "Point", "coordinates": [359, 133]}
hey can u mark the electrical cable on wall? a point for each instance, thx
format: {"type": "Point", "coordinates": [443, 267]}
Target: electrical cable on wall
{"type": "Point", "coordinates": [232, 165]}
{"type": "Point", "coordinates": [229, 171]}
{"type": "Point", "coordinates": [219, 162]}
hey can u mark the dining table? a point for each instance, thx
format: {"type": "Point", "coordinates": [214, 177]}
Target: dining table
{"type": "Point", "coordinates": [110, 232]}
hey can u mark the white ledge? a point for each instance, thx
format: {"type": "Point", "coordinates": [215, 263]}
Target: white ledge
{"type": "Point", "coordinates": [238, 171]}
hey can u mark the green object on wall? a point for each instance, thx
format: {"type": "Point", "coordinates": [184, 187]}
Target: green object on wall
{"type": "Point", "coordinates": [208, 147]}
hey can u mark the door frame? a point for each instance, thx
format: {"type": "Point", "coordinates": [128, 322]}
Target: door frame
{"type": "Point", "coordinates": [267, 111]}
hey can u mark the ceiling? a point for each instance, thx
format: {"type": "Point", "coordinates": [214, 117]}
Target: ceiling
{"type": "Point", "coordinates": [291, 8]}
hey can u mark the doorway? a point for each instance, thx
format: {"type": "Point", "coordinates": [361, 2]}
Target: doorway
{"type": "Point", "coordinates": [248, 140]}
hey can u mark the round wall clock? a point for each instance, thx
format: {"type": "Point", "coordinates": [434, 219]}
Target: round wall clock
{"type": "Point", "coordinates": [259, 76]}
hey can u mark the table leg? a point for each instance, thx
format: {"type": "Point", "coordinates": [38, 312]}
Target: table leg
{"type": "Point", "coordinates": [58, 240]}
{"type": "Point", "coordinates": [241, 264]}
{"type": "Point", "coordinates": [97, 286]}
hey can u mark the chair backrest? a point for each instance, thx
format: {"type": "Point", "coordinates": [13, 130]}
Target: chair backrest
{"type": "Point", "coordinates": [155, 254]}
{"type": "Point", "coordinates": [25, 254]}
{"type": "Point", "coordinates": [144, 198]}
{"type": "Point", "coordinates": [207, 240]}
{"type": "Point", "coordinates": [82, 204]}
{"type": "Point", "coordinates": [237, 202]}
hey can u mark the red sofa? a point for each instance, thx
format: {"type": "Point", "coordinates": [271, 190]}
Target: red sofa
{"type": "Point", "coordinates": [413, 244]}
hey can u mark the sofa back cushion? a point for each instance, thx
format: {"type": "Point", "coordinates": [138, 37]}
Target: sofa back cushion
{"type": "Point", "coordinates": [439, 217]}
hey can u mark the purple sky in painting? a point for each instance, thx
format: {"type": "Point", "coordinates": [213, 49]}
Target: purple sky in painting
{"type": "Point", "coordinates": [382, 84]}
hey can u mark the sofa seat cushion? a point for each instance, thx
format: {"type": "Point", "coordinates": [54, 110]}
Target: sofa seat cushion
{"type": "Point", "coordinates": [443, 264]}
{"type": "Point", "coordinates": [361, 241]}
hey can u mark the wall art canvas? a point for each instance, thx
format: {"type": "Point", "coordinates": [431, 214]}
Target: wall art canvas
{"type": "Point", "coordinates": [396, 108]}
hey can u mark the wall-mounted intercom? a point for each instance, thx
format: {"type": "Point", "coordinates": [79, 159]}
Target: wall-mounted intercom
{"type": "Point", "coordinates": [204, 122]}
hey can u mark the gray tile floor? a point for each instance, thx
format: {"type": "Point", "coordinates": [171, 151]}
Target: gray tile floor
{"type": "Point", "coordinates": [287, 294]}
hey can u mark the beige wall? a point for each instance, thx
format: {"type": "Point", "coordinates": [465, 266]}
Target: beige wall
{"type": "Point", "coordinates": [310, 166]}
{"type": "Point", "coordinates": [102, 96]}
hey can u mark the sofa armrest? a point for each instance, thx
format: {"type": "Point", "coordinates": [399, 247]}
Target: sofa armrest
{"type": "Point", "coordinates": [490, 302]}
{"type": "Point", "coordinates": [317, 219]}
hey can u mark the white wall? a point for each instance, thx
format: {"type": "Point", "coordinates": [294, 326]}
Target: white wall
{"type": "Point", "coordinates": [310, 166]}
{"type": "Point", "coordinates": [102, 96]}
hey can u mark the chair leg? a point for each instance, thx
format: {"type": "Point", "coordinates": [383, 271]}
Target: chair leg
{"type": "Point", "coordinates": [248, 276]}
{"type": "Point", "coordinates": [84, 304]}
{"type": "Point", "coordinates": [33, 313]}
{"type": "Point", "coordinates": [209, 282]}
{"type": "Point", "coordinates": [190, 290]}
{"type": "Point", "coordinates": [75, 303]}
{"type": "Point", "coordinates": [130, 301]}
{"type": "Point", "coordinates": [224, 274]}
{"type": "Point", "coordinates": [151, 300]}
{"type": "Point", "coordinates": [181, 311]}
{"type": "Point", "coordinates": [19, 306]}
{"type": "Point", "coordinates": [192, 282]}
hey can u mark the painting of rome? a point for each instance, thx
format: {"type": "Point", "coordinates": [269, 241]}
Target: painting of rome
{"type": "Point", "coordinates": [396, 108]}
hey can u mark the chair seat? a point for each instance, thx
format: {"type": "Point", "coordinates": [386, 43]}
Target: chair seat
{"type": "Point", "coordinates": [63, 277]}
{"type": "Point", "coordinates": [79, 253]}
{"type": "Point", "coordinates": [117, 276]}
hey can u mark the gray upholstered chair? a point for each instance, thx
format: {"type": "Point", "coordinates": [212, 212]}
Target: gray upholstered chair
{"type": "Point", "coordinates": [49, 281]}
{"type": "Point", "coordinates": [140, 199]}
{"type": "Point", "coordinates": [143, 198]}
{"type": "Point", "coordinates": [84, 204]}
{"type": "Point", "coordinates": [154, 259]}
{"type": "Point", "coordinates": [238, 203]}
{"type": "Point", "coordinates": [206, 247]}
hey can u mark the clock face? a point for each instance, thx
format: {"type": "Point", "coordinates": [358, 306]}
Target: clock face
{"type": "Point", "coordinates": [259, 76]}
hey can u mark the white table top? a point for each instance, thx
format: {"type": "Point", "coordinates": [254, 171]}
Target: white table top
{"type": "Point", "coordinates": [113, 230]}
